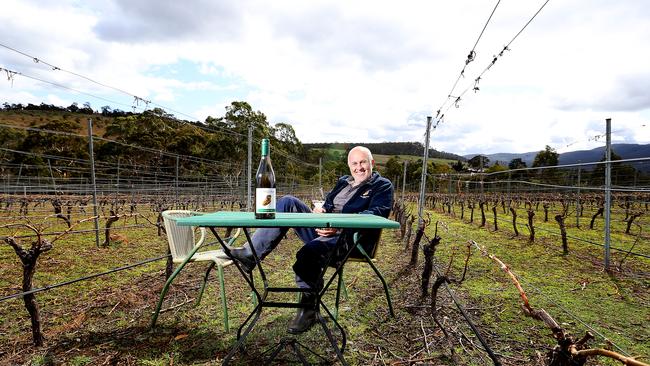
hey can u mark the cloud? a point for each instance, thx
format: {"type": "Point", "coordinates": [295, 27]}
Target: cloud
{"type": "Point", "coordinates": [354, 71]}
{"type": "Point", "coordinates": [626, 93]}
{"type": "Point", "coordinates": [335, 37]}
{"type": "Point", "coordinates": [146, 21]}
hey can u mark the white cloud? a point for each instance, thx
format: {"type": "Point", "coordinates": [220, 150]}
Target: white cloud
{"type": "Point", "coordinates": [355, 71]}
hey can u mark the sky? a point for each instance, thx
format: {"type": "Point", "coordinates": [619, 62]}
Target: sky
{"type": "Point", "coordinates": [349, 71]}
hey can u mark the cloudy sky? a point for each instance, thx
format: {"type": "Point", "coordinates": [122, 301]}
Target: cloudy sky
{"type": "Point", "coordinates": [350, 71]}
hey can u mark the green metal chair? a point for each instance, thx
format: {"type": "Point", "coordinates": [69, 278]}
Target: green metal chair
{"type": "Point", "coordinates": [362, 255]}
{"type": "Point", "coordinates": [185, 249]}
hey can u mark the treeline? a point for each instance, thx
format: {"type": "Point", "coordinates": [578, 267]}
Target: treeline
{"type": "Point", "coordinates": [391, 148]}
{"type": "Point", "coordinates": [86, 108]}
{"type": "Point", "coordinates": [49, 140]}
{"type": "Point", "coordinates": [52, 141]}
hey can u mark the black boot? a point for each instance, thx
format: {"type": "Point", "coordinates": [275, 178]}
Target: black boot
{"type": "Point", "coordinates": [305, 316]}
{"type": "Point", "coordinates": [244, 256]}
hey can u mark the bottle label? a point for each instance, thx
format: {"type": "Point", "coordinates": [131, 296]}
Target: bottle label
{"type": "Point", "coordinates": [264, 200]}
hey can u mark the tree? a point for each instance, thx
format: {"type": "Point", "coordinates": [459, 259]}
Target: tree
{"type": "Point", "coordinates": [286, 139]}
{"type": "Point", "coordinates": [546, 157]}
{"type": "Point", "coordinates": [620, 173]}
{"type": "Point", "coordinates": [232, 144]}
{"type": "Point", "coordinates": [394, 168]}
{"type": "Point", "coordinates": [457, 166]}
{"type": "Point", "coordinates": [438, 168]}
{"type": "Point", "coordinates": [74, 107]}
{"type": "Point", "coordinates": [154, 129]}
{"type": "Point", "coordinates": [87, 109]}
{"type": "Point", "coordinates": [517, 163]}
{"type": "Point", "coordinates": [496, 168]}
{"type": "Point", "coordinates": [476, 161]}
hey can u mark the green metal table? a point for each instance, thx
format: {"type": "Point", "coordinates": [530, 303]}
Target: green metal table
{"type": "Point", "coordinates": [246, 220]}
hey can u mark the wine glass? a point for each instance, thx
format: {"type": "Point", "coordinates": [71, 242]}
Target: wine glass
{"type": "Point", "coordinates": [317, 203]}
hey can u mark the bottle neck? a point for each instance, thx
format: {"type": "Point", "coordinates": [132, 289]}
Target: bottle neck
{"type": "Point", "coordinates": [265, 148]}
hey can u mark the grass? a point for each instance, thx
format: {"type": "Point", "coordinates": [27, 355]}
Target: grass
{"type": "Point", "coordinates": [106, 320]}
{"type": "Point", "coordinates": [573, 288]}
{"type": "Point", "coordinates": [382, 159]}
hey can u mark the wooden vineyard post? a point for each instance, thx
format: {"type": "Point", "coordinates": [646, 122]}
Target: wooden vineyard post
{"type": "Point", "coordinates": [416, 243]}
{"type": "Point", "coordinates": [470, 206]}
{"type": "Point", "coordinates": [514, 220]}
{"type": "Point", "coordinates": [409, 230]}
{"type": "Point", "coordinates": [593, 218]}
{"type": "Point", "coordinates": [531, 227]}
{"type": "Point", "coordinates": [631, 219]}
{"type": "Point", "coordinates": [429, 250]}
{"type": "Point", "coordinates": [107, 230]}
{"type": "Point", "coordinates": [461, 202]}
{"type": "Point", "coordinates": [29, 259]}
{"type": "Point", "coordinates": [545, 205]}
{"type": "Point", "coordinates": [560, 221]}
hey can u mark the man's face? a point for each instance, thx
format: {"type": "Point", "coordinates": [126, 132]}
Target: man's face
{"type": "Point", "coordinates": [360, 165]}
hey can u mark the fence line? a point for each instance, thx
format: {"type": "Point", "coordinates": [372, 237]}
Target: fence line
{"type": "Point", "coordinates": [65, 283]}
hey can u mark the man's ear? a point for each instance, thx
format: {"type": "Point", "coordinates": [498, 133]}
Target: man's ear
{"type": "Point", "coordinates": [372, 163]}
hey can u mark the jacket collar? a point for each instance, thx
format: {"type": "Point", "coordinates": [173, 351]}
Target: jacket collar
{"type": "Point", "coordinates": [373, 177]}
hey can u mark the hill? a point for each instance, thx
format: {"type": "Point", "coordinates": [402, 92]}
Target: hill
{"type": "Point", "coordinates": [45, 139]}
{"type": "Point", "coordinates": [389, 148]}
{"type": "Point", "coordinates": [625, 151]}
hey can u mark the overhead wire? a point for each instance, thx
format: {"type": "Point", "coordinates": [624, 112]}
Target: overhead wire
{"type": "Point", "coordinates": [474, 85]}
{"type": "Point", "coordinates": [56, 68]}
{"type": "Point", "coordinates": [137, 99]}
{"type": "Point", "coordinates": [593, 138]}
{"type": "Point", "coordinates": [63, 86]}
{"type": "Point", "coordinates": [470, 57]}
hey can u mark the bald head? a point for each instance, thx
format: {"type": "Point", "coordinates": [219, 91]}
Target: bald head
{"type": "Point", "coordinates": [360, 162]}
{"type": "Point", "coordinates": [363, 150]}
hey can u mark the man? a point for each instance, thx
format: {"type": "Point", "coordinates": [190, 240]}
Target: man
{"type": "Point", "coordinates": [360, 192]}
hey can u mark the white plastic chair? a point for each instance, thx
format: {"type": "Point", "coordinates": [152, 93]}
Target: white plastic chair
{"type": "Point", "coordinates": [184, 249]}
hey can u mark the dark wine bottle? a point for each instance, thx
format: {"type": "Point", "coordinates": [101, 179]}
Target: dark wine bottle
{"type": "Point", "coordinates": [265, 186]}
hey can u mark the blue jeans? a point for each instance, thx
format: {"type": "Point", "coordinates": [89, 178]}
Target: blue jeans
{"type": "Point", "coordinates": [311, 258]}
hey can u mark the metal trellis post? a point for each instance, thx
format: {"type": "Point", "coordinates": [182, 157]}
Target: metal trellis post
{"type": "Point", "coordinates": [176, 183]}
{"type": "Point", "coordinates": [423, 182]}
{"type": "Point", "coordinates": [608, 187]}
{"type": "Point", "coordinates": [406, 163]}
{"type": "Point", "coordinates": [249, 193]}
{"type": "Point", "coordinates": [92, 177]}
{"type": "Point", "coordinates": [578, 199]}
{"type": "Point", "coordinates": [117, 186]}
{"type": "Point", "coordinates": [49, 165]}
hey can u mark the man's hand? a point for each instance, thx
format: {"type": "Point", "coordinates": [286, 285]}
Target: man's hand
{"type": "Point", "coordinates": [325, 231]}
{"type": "Point", "coordinates": [330, 231]}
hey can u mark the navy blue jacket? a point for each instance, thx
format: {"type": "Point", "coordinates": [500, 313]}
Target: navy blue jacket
{"type": "Point", "coordinates": [373, 197]}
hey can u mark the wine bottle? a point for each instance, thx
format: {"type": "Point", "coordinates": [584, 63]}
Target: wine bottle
{"type": "Point", "coordinates": [265, 186]}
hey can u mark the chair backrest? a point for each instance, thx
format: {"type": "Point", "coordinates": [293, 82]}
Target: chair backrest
{"type": "Point", "coordinates": [369, 240]}
{"type": "Point", "coordinates": [180, 238]}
